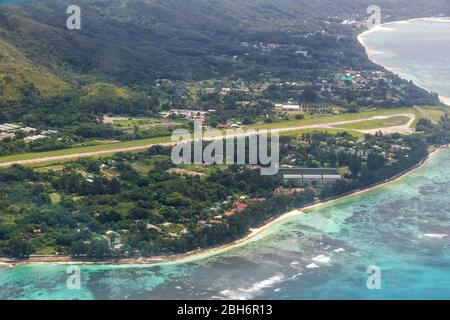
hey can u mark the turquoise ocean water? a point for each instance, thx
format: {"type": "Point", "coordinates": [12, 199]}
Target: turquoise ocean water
{"type": "Point", "coordinates": [417, 50]}
{"type": "Point", "coordinates": [403, 228]}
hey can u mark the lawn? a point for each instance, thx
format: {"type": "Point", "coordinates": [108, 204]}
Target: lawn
{"type": "Point", "coordinates": [145, 123]}
{"type": "Point", "coordinates": [323, 119]}
{"type": "Point", "coordinates": [376, 124]}
{"type": "Point", "coordinates": [101, 147]}
{"type": "Point", "coordinates": [134, 122]}
{"type": "Point", "coordinates": [296, 133]}
{"type": "Point", "coordinates": [433, 113]}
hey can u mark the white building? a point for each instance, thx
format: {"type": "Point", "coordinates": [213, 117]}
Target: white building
{"type": "Point", "coordinates": [190, 114]}
{"type": "Point", "coordinates": [288, 107]}
{"type": "Point", "coordinates": [34, 138]}
{"type": "Point", "coordinates": [310, 175]}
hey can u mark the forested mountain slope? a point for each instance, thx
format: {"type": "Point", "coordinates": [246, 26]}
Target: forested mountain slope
{"type": "Point", "coordinates": [137, 41]}
{"type": "Point", "coordinates": [18, 75]}
{"type": "Point", "coordinates": [124, 46]}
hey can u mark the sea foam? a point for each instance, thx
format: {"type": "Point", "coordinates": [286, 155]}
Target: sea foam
{"type": "Point", "coordinates": [321, 258]}
{"type": "Point", "coordinates": [436, 235]}
{"type": "Point", "coordinates": [254, 289]}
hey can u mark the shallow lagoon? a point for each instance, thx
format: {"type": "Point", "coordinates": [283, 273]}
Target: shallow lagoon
{"type": "Point", "coordinates": [417, 50]}
{"type": "Point", "coordinates": [403, 228]}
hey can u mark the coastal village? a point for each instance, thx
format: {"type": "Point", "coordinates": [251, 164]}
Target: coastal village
{"type": "Point", "coordinates": [196, 205]}
{"type": "Point", "coordinates": [27, 134]}
{"type": "Point", "coordinates": [247, 99]}
{"type": "Point", "coordinates": [96, 204]}
{"type": "Point", "coordinates": [368, 87]}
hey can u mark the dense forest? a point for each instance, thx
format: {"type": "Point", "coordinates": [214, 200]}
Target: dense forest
{"type": "Point", "coordinates": [135, 205]}
{"type": "Point", "coordinates": [138, 41]}
{"type": "Point", "coordinates": [133, 43]}
{"type": "Point", "coordinates": [54, 78]}
{"type": "Point", "coordinates": [231, 58]}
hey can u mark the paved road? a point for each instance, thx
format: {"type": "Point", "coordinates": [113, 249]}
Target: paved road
{"type": "Point", "coordinates": [332, 125]}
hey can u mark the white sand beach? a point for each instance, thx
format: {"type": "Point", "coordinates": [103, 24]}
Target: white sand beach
{"type": "Point", "coordinates": [204, 253]}
{"type": "Point", "coordinates": [388, 27]}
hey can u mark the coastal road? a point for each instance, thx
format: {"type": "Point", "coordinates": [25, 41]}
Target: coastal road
{"type": "Point", "coordinates": [405, 129]}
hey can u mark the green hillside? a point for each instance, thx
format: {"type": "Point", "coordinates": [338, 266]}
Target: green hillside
{"type": "Point", "coordinates": [18, 75]}
{"type": "Point", "coordinates": [137, 41]}
{"type": "Point", "coordinates": [113, 63]}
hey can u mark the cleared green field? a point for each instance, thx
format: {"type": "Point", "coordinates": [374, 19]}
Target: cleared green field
{"type": "Point", "coordinates": [146, 123]}
{"type": "Point", "coordinates": [54, 164]}
{"type": "Point", "coordinates": [296, 133]}
{"type": "Point", "coordinates": [376, 124]}
{"type": "Point", "coordinates": [333, 118]}
{"type": "Point", "coordinates": [100, 147]}
{"type": "Point", "coordinates": [134, 122]}
{"type": "Point", "coordinates": [434, 113]}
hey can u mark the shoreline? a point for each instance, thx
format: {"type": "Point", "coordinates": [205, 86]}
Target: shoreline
{"type": "Point", "coordinates": [6, 263]}
{"type": "Point", "coordinates": [370, 53]}
{"type": "Point", "coordinates": [10, 263]}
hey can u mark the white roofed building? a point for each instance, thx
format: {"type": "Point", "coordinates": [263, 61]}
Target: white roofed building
{"type": "Point", "coordinates": [310, 175]}
{"type": "Point", "coordinates": [288, 107]}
